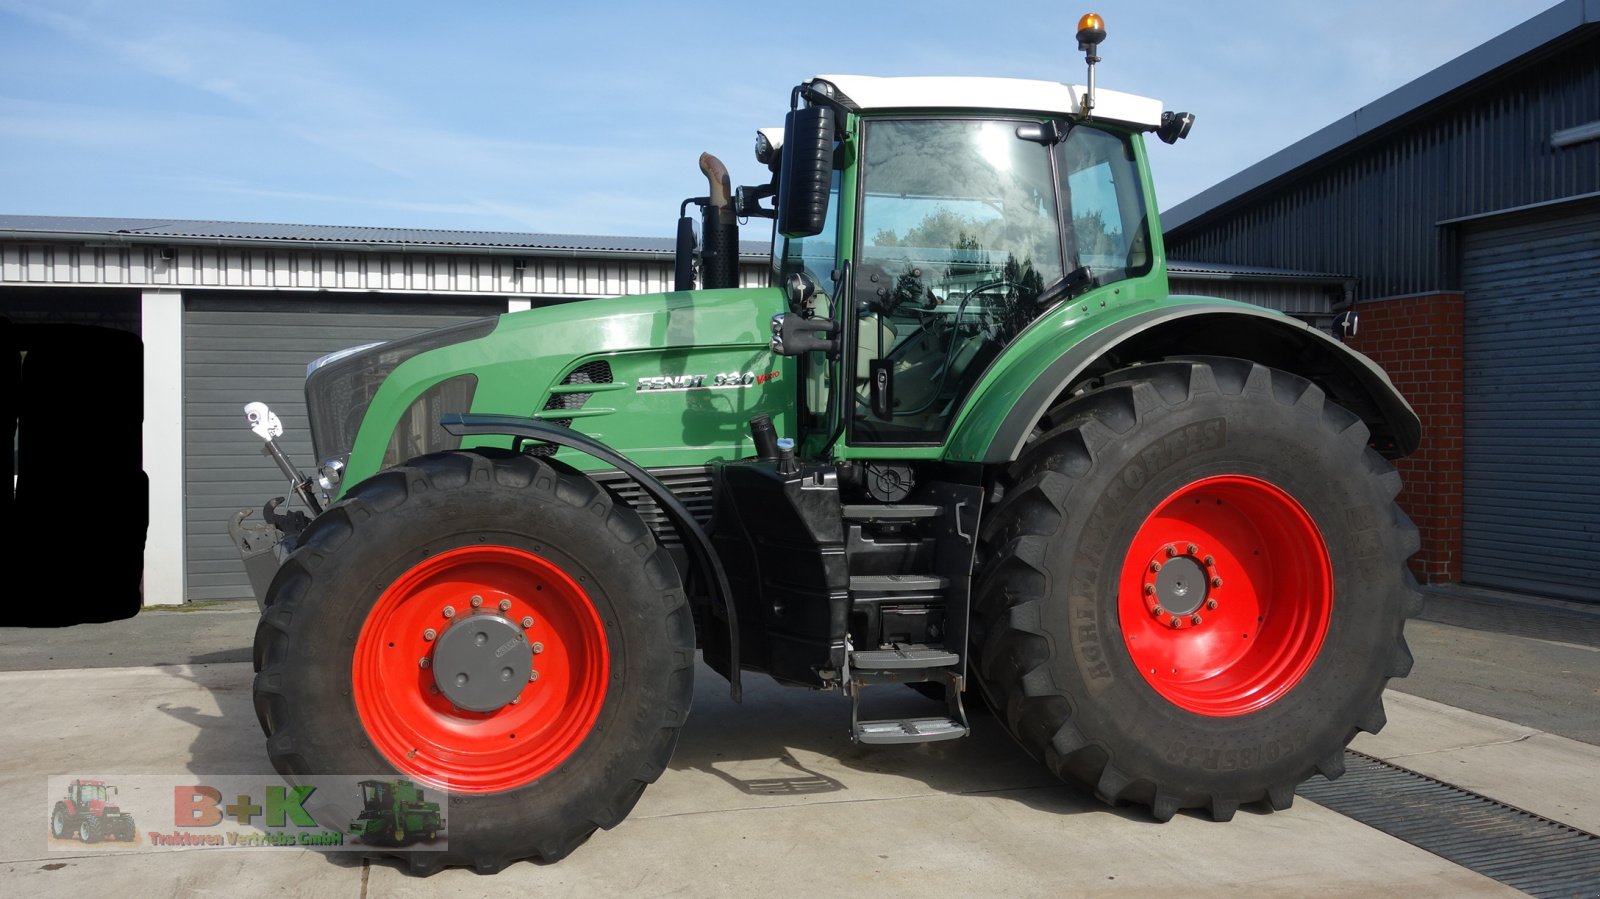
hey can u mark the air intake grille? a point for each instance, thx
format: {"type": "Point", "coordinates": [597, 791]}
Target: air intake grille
{"type": "Point", "coordinates": [589, 373]}
{"type": "Point", "coordinates": [692, 487]}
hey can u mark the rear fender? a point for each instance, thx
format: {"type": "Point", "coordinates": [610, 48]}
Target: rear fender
{"type": "Point", "coordinates": [1023, 392]}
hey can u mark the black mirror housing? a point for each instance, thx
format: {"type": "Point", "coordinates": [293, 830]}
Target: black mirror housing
{"type": "Point", "coordinates": [806, 172]}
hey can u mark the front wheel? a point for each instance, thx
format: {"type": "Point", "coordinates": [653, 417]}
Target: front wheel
{"type": "Point", "coordinates": [487, 624]}
{"type": "Point", "coordinates": [1195, 587]}
{"type": "Point", "coordinates": [60, 822]}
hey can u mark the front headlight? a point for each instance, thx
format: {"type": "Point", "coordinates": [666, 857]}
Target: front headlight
{"type": "Point", "coordinates": [340, 387]}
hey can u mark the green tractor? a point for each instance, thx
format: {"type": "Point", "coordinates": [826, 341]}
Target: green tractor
{"type": "Point", "coordinates": [968, 439]}
{"type": "Point", "coordinates": [395, 813]}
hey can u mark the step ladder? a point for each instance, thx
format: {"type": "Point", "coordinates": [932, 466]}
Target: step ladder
{"type": "Point", "coordinates": [898, 665]}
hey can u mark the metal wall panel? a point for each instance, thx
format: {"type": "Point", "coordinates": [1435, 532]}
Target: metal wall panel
{"type": "Point", "coordinates": [1302, 300]}
{"type": "Point", "coordinates": [235, 353]}
{"type": "Point", "coordinates": [255, 268]}
{"type": "Point", "coordinates": [1371, 208]}
{"type": "Point", "coordinates": [1531, 462]}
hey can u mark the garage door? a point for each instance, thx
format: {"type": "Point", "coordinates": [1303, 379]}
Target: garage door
{"type": "Point", "coordinates": [1531, 494]}
{"type": "Point", "coordinates": [234, 352]}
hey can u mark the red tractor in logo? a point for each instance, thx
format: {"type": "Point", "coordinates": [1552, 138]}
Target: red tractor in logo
{"type": "Point", "coordinates": [88, 813]}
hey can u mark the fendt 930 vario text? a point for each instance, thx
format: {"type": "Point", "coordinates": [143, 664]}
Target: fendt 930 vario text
{"type": "Point", "coordinates": [968, 440]}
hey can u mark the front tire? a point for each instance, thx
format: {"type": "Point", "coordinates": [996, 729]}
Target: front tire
{"type": "Point", "coordinates": [1195, 588]}
{"type": "Point", "coordinates": [61, 825]}
{"type": "Point", "coordinates": [477, 559]}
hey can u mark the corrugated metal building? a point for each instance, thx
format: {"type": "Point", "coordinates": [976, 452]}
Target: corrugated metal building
{"type": "Point", "coordinates": [1466, 207]}
{"type": "Point", "coordinates": [231, 312]}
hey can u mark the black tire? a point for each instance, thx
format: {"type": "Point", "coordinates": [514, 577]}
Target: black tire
{"type": "Point", "coordinates": [389, 525]}
{"type": "Point", "coordinates": [1053, 654]}
{"type": "Point", "coordinates": [61, 823]}
{"type": "Point", "coordinates": [89, 831]}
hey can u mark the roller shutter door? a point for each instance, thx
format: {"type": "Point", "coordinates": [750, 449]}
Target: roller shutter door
{"type": "Point", "coordinates": [1531, 454]}
{"type": "Point", "coordinates": [237, 351]}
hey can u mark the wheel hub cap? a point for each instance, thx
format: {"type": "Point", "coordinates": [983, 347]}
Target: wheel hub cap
{"type": "Point", "coordinates": [1181, 587]}
{"type": "Point", "coordinates": [482, 662]}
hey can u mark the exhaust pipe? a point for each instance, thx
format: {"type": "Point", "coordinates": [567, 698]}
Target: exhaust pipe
{"type": "Point", "coordinates": [719, 252]}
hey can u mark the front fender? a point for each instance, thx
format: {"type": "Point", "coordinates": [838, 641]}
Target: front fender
{"type": "Point", "coordinates": [1014, 396]}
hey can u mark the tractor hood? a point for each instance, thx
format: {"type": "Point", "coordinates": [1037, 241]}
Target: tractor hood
{"type": "Point", "coordinates": [667, 379]}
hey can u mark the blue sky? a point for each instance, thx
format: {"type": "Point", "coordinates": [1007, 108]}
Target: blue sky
{"type": "Point", "coordinates": [587, 118]}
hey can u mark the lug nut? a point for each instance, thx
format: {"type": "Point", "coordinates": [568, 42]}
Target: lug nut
{"type": "Point", "coordinates": [1149, 589]}
{"type": "Point", "coordinates": [429, 634]}
{"type": "Point", "coordinates": [538, 648]}
{"type": "Point", "coordinates": [1193, 549]}
{"type": "Point", "coordinates": [533, 676]}
{"type": "Point", "coordinates": [1211, 562]}
{"type": "Point", "coordinates": [1155, 566]}
{"type": "Point", "coordinates": [425, 662]}
{"type": "Point", "coordinates": [1176, 621]}
{"type": "Point", "coordinates": [1171, 550]}
{"type": "Point", "coordinates": [1211, 604]}
{"type": "Point", "coordinates": [449, 611]}
{"type": "Point", "coordinates": [505, 605]}
{"type": "Point", "coordinates": [1158, 611]}
{"type": "Point", "coordinates": [527, 621]}
{"type": "Point", "coordinates": [1216, 582]}
{"type": "Point", "coordinates": [516, 700]}
{"type": "Point", "coordinates": [477, 601]}
{"type": "Point", "coordinates": [1195, 620]}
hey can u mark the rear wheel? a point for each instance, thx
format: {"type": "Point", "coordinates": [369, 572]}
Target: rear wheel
{"type": "Point", "coordinates": [1195, 589]}
{"type": "Point", "coordinates": [490, 625]}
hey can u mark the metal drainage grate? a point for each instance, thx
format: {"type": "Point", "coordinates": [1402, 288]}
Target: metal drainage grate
{"type": "Point", "coordinates": [1534, 854]}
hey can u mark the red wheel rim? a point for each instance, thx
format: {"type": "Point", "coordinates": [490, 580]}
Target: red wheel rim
{"type": "Point", "coordinates": [418, 729]}
{"type": "Point", "coordinates": [1225, 595]}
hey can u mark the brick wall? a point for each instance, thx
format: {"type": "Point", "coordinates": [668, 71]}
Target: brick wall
{"type": "Point", "coordinates": [1418, 341]}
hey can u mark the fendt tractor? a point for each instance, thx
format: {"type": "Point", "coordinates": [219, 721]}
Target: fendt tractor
{"type": "Point", "coordinates": [966, 439]}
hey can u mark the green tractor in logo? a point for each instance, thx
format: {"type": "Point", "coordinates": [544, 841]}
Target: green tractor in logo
{"type": "Point", "coordinates": [967, 441]}
{"type": "Point", "coordinates": [394, 813]}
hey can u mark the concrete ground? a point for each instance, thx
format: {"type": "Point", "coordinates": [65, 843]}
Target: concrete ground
{"type": "Point", "coordinates": [771, 797]}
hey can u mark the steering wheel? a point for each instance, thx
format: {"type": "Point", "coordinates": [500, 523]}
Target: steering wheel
{"type": "Point", "coordinates": [950, 351]}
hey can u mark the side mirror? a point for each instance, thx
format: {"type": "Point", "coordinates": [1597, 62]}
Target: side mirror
{"type": "Point", "coordinates": [806, 172]}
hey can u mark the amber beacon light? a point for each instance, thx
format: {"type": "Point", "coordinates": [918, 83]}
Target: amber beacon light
{"type": "Point", "coordinates": [1091, 30]}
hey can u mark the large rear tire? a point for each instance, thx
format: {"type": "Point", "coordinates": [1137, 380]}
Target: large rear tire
{"type": "Point", "coordinates": [459, 557]}
{"type": "Point", "coordinates": [1194, 587]}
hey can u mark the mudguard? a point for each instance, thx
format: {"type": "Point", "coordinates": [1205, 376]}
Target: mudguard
{"type": "Point", "coordinates": [701, 552]}
{"type": "Point", "coordinates": [1010, 404]}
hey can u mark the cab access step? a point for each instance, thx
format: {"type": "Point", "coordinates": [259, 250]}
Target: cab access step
{"type": "Point", "coordinates": [905, 665]}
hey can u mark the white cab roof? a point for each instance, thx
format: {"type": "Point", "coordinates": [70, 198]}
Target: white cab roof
{"type": "Point", "coordinates": [873, 93]}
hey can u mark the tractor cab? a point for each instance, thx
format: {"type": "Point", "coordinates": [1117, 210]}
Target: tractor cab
{"type": "Point", "coordinates": [376, 796]}
{"type": "Point", "coordinates": [923, 224]}
{"type": "Point", "coordinates": [967, 226]}
{"type": "Point", "coordinates": [87, 792]}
